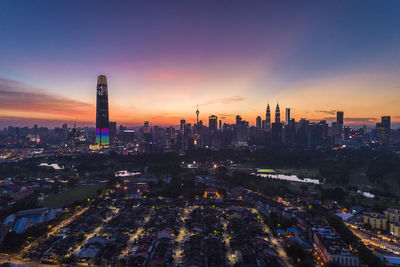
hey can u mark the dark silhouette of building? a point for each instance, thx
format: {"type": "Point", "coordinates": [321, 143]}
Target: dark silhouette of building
{"type": "Point", "coordinates": [339, 137]}
{"type": "Point", "coordinates": [277, 114]}
{"type": "Point", "coordinates": [385, 120]}
{"type": "Point", "coordinates": [317, 134]}
{"type": "Point", "coordinates": [383, 130]}
{"type": "Point", "coordinates": [258, 122]}
{"type": "Point", "coordinates": [113, 131]}
{"type": "Point", "coordinates": [183, 122]}
{"type": "Point", "coordinates": [268, 119]}
{"type": "Point", "coordinates": [302, 133]}
{"type": "Point", "coordinates": [213, 124]}
{"type": "Point", "coordinates": [287, 116]}
{"type": "Point", "coordinates": [238, 120]}
{"type": "Point", "coordinates": [102, 122]}
{"type": "Point", "coordinates": [339, 118]}
{"type": "Point", "coordinates": [289, 133]}
{"type": "Point", "coordinates": [276, 134]}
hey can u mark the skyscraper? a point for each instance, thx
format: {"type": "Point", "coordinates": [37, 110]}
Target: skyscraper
{"type": "Point", "coordinates": [287, 116]}
{"type": "Point", "coordinates": [268, 118]}
{"type": "Point", "coordinates": [383, 130]}
{"type": "Point", "coordinates": [113, 131]}
{"type": "Point", "coordinates": [238, 120]}
{"type": "Point", "coordinates": [258, 122]}
{"type": "Point", "coordinates": [146, 128]}
{"type": "Point", "coordinates": [183, 122]}
{"type": "Point", "coordinates": [102, 122]}
{"type": "Point", "coordinates": [213, 123]}
{"type": "Point", "coordinates": [339, 118]}
{"type": "Point", "coordinates": [385, 120]}
{"type": "Point", "coordinates": [339, 127]}
{"type": "Point", "coordinates": [277, 114]}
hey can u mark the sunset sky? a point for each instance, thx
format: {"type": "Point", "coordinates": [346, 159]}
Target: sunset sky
{"type": "Point", "coordinates": [162, 58]}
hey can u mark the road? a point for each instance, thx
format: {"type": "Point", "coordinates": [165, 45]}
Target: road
{"type": "Point", "coordinates": [136, 235]}
{"type": "Point", "coordinates": [281, 252]}
{"type": "Point", "coordinates": [181, 236]}
{"type": "Point", "coordinates": [229, 253]}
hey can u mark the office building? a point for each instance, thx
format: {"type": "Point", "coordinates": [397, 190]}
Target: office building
{"type": "Point", "coordinates": [276, 134]}
{"type": "Point", "coordinates": [383, 130]}
{"type": "Point", "coordinates": [113, 131]}
{"type": "Point", "coordinates": [182, 128]}
{"type": "Point", "coordinates": [339, 118]}
{"type": "Point", "coordinates": [258, 122]}
{"type": "Point", "coordinates": [102, 121]}
{"type": "Point", "coordinates": [238, 120]}
{"type": "Point", "coordinates": [213, 124]}
{"type": "Point", "coordinates": [385, 120]}
{"type": "Point", "coordinates": [287, 116]}
{"type": "Point", "coordinates": [268, 119]}
{"type": "Point", "coordinates": [339, 137]}
{"type": "Point", "coordinates": [277, 114]}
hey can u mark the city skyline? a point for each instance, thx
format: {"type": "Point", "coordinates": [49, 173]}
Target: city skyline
{"type": "Point", "coordinates": [103, 121]}
{"type": "Point", "coordinates": [315, 59]}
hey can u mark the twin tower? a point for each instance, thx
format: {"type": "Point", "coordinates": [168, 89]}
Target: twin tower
{"type": "Point", "coordinates": [102, 121]}
{"type": "Point", "coordinates": [268, 116]}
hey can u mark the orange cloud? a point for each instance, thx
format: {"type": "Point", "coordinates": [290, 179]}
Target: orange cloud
{"type": "Point", "coordinates": [17, 98]}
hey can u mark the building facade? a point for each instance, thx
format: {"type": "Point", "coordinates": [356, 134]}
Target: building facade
{"type": "Point", "coordinates": [102, 121]}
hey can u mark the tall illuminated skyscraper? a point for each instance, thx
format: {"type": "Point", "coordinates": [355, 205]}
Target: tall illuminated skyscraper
{"type": "Point", "coordinates": [102, 122]}
{"type": "Point", "coordinates": [268, 118]}
{"type": "Point", "coordinates": [277, 114]}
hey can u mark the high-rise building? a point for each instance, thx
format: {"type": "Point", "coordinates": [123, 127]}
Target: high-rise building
{"type": "Point", "coordinates": [213, 123]}
{"type": "Point", "coordinates": [183, 122]}
{"type": "Point", "coordinates": [302, 133]}
{"type": "Point", "coordinates": [113, 131]}
{"type": "Point", "coordinates": [220, 125]}
{"type": "Point", "coordinates": [339, 118]}
{"type": "Point", "coordinates": [289, 133]}
{"type": "Point", "coordinates": [339, 137]}
{"type": "Point", "coordinates": [146, 128]}
{"type": "Point", "coordinates": [102, 122]}
{"type": "Point", "coordinates": [385, 120]}
{"type": "Point", "coordinates": [238, 120]}
{"type": "Point", "coordinates": [383, 129]}
{"type": "Point", "coordinates": [276, 134]}
{"type": "Point", "coordinates": [268, 118]}
{"type": "Point", "coordinates": [277, 114]}
{"type": "Point", "coordinates": [316, 134]}
{"type": "Point", "coordinates": [287, 116]}
{"type": "Point", "coordinates": [258, 122]}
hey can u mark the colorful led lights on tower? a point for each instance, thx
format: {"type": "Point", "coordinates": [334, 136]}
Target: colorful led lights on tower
{"type": "Point", "coordinates": [102, 121]}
